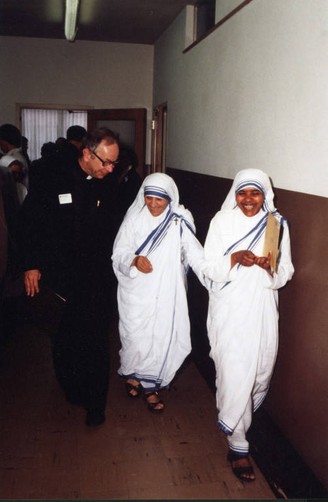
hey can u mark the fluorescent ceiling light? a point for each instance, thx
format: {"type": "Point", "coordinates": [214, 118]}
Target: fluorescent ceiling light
{"type": "Point", "coordinates": [70, 19]}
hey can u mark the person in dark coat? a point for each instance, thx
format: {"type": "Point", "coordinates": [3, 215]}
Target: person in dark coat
{"type": "Point", "coordinates": [66, 245]}
{"type": "Point", "coordinates": [72, 144]}
{"type": "Point", "coordinates": [3, 258]}
{"type": "Point", "coordinates": [48, 150]}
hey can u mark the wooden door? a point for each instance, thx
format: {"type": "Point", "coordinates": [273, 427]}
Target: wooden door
{"type": "Point", "coordinates": [129, 123]}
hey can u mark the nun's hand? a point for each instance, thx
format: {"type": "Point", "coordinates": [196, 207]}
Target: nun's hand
{"type": "Point", "coordinates": [265, 262]}
{"type": "Point", "coordinates": [244, 257]}
{"type": "Point", "coordinates": [143, 264]}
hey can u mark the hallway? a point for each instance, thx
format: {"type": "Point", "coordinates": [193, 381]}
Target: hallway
{"type": "Point", "coordinates": [47, 452]}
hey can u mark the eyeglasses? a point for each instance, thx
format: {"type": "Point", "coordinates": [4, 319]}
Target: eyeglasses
{"type": "Point", "coordinates": [105, 163]}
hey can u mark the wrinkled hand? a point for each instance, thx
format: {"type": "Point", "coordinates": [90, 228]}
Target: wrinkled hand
{"type": "Point", "coordinates": [244, 257]}
{"type": "Point", "coordinates": [31, 281]}
{"type": "Point", "coordinates": [143, 264]}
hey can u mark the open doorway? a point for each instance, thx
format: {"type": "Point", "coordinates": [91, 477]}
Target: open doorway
{"type": "Point", "coordinates": [129, 124]}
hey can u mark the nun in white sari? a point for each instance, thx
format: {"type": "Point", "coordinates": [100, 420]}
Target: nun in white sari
{"type": "Point", "coordinates": [153, 249]}
{"type": "Point", "coordinates": [243, 306]}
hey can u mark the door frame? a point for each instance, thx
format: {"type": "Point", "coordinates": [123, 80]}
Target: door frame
{"type": "Point", "coordinates": [159, 133]}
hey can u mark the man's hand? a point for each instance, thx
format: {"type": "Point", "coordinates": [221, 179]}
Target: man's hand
{"type": "Point", "coordinates": [31, 281]}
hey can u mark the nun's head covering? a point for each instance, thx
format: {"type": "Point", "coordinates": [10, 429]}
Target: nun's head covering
{"type": "Point", "coordinates": [251, 178]}
{"type": "Point", "coordinates": [161, 185]}
{"type": "Point", "coordinates": [155, 185]}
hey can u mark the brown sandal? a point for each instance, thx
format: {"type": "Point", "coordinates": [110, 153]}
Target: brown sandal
{"type": "Point", "coordinates": [152, 405]}
{"type": "Point", "coordinates": [243, 472]}
{"type": "Point", "coordinates": [133, 390]}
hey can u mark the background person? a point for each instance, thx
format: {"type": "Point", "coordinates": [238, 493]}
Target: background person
{"type": "Point", "coordinates": [47, 151]}
{"type": "Point", "coordinates": [72, 144]}
{"type": "Point", "coordinates": [13, 195]}
{"type": "Point", "coordinates": [11, 144]}
{"type": "Point", "coordinates": [15, 169]}
{"type": "Point", "coordinates": [24, 149]}
{"type": "Point", "coordinates": [3, 261]}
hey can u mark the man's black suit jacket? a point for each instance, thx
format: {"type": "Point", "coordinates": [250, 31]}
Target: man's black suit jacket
{"type": "Point", "coordinates": [67, 226]}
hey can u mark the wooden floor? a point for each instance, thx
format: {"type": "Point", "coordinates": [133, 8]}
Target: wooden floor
{"type": "Point", "coordinates": [47, 452]}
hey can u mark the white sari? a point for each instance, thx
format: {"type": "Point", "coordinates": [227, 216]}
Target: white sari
{"type": "Point", "coordinates": [243, 303]}
{"type": "Point", "coordinates": [154, 322]}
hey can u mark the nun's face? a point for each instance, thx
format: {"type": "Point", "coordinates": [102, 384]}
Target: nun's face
{"type": "Point", "coordinates": [250, 200]}
{"type": "Point", "coordinates": [156, 205]}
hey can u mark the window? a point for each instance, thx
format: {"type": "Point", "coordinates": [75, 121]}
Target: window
{"type": "Point", "coordinates": [42, 125]}
{"type": "Point", "coordinates": [205, 17]}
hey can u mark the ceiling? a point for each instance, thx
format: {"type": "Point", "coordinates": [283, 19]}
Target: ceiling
{"type": "Point", "coordinates": [127, 21]}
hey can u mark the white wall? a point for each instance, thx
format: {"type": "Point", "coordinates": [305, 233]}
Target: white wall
{"type": "Point", "coordinates": [98, 74]}
{"type": "Point", "coordinates": [224, 7]}
{"type": "Point", "coordinates": [253, 93]}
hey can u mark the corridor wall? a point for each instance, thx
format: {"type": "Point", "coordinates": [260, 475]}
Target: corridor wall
{"type": "Point", "coordinates": [253, 93]}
